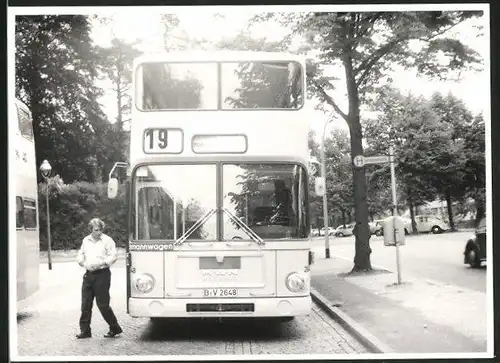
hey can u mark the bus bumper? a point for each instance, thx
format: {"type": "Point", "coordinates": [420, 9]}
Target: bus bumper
{"type": "Point", "coordinates": [261, 307]}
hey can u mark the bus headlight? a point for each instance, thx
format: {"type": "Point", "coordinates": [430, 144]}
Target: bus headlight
{"type": "Point", "coordinates": [294, 282]}
{"type": "Point", "coordinates": [144, 283]}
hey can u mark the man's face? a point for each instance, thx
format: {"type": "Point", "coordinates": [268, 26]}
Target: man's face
{"type": "Point", "coordinates": [96, 232]}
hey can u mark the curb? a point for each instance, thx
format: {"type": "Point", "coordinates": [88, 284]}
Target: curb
{"type": "Point", "coordinates": [359, 332]}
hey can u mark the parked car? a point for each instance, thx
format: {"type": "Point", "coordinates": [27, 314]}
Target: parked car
{"type": "Point", "coordinates": [344, 230]}
{"type": "Point", "coordinates": [331, 231]}
{"type": "Point", "coordinates": [314, 232]}
{"type": "Point", "coordinates": [475, 248]}
{"type": "Point", "coordinates": [376, 227]}
{"type": "Point", "coordinates": [427, 223]}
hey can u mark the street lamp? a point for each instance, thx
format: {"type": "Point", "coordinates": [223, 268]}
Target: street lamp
{"type": "Point", "coordinates": [45, 170]}
{"type": "Point", "coordinates": [323, 173]}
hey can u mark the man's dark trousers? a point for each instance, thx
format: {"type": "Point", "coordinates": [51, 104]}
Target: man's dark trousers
{"type": "Point", "coordinates": [96, 284]}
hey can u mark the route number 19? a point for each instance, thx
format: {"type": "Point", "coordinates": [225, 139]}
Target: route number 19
{"type": "Point", "coordinates": [156, 138]}
{"type": "Point", "coordinates": [163, 141]}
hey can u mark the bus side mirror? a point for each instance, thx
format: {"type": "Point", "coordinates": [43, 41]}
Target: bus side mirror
{"type": "Point", "coordinates": [319, 186]}
{"type": "Point", "coordinates": [112, 188]}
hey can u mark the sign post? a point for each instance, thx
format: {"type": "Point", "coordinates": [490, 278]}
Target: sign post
{"type": "Point", "coordinates": [395, 226]}
{"type": "Point", "coordinates": [395, 206]}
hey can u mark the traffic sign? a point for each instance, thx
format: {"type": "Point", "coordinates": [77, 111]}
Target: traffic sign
{"type": "Point", "coordinates": [359, 161]}
{"type": "Point", "coordinates": [381, 159]}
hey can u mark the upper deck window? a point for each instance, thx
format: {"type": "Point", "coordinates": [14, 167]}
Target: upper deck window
{"type": "Point", "coordinates": [261, 85]}
{"type": "Point", "coordinates": [25, 126]}
{"type": "Point", "coordinates": [219, 86]}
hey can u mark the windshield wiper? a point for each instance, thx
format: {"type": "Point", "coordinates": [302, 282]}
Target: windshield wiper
{"type": "Point", "coordinates": [245, 227]}
{"type": "Point", "coordinates": [194, 227]}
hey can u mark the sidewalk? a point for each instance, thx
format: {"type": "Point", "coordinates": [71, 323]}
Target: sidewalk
{"type": "Point", "coordinates": [417, 316]}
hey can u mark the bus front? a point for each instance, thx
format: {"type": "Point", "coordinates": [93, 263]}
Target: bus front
{"type": "Point", "coordinates": [219, 210]}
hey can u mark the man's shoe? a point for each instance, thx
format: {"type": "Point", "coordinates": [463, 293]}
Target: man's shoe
{"type": "Point", "coordinates": [83, 335]}
{"type": "Point", "coordinates": [113, 333]}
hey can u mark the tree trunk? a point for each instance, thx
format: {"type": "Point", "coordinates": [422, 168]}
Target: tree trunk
{"type": "Point", "coordinates": [343, 217]}
{"type": "Point", "coordinates": [362, 244]}
{"type": "Point", "coordinates": [119, 95]}
{"type": "Point", "coordinates": [450, 210]}
{"type": "Point", "coordinates": [412, 217]}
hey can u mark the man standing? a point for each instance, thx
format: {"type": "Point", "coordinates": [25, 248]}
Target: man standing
{"type": "Point", "coordinates": [96, 255]}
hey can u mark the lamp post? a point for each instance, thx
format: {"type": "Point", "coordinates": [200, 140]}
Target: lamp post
{"type": "Point", "coordinates": [45, 170]}
{"type": "Point", "coordinates": [325, 202]}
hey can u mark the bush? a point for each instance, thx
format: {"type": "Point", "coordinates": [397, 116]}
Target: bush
{"type": "Point", "coordinates": [73, 207]}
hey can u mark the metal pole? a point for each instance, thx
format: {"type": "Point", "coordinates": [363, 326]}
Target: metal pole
{"type": "Point", "coordinates": [325, 204]}
{"type": "Point", "coordinates": [395, 213]}
{"type": "Point", "coordinates": [49, 242]}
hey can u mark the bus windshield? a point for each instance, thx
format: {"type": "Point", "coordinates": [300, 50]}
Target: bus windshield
{"type": "Point", "coordinates": [220, 86]}
{"type": "Point", "coordinates": [259, 201]}
{"type": "Point", "coordinates": [269, 198]}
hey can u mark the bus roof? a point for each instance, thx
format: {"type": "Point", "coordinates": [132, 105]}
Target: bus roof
{"type": "Point", "coordinates": [214, 56]}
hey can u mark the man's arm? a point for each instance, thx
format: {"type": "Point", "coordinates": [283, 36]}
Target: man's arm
{"type": "Point", "coordinates": [80, 257]}
{"type": "Point", "coordinates": [111, 253]}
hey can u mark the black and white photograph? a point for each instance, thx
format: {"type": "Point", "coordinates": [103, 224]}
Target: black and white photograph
{"type": "Point", "coordinates": [176, 200]}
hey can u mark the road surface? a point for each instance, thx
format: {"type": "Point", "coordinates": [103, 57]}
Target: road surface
{"type": "Point", "coordinates": [48, 323]}
{"type": "Point", "coordinates": [431, 256]}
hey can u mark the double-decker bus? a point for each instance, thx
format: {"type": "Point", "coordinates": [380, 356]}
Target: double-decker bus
{"type": "Point", "coordinates": [218, 187]}
{"type": "Point", "coordinates": [25, 185]}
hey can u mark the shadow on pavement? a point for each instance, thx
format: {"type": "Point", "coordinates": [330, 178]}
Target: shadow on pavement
{"type": "Point", "coordinates": [214, 330]}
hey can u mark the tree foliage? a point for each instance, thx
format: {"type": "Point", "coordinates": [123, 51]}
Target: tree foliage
{"type": "Point", "coordinates": [71, 209]}
{"type": "Point", "coordinates": [55, 73]}
{"type": "Point", "coordinates": [339, 175]}
{"type": "Point", "coordinates": [475, 166]}
{"type": "Point", "coordinates": [367, 45]}
{"type": "Point", "coordinates": [432, 154]}
{"type": "Point", "coordinates": [116, 64]}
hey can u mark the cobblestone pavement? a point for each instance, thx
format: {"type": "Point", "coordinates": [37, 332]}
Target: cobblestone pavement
{"type": "Point", "coordinates": [46, 326]}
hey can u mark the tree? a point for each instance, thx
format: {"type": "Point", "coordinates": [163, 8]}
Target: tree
{"type": "Point", "coordinates": [366, 45]}
{"type": "Point", "coordinates": [419, 141]}
{"type": "Point", "coordinates": [455, 118]}
{"type": "Point", "coordinates": [116, 65]}
{"type": "Point", "coordinates": [55, 74]}
{"type": "Point", "coordinates": [315, 202]}
{"type": "Point", "coordinates": [339, 175]}
{"type": "Point", "coordinates": [475, 167]}
{"type": "Point", "coordinates": [172, 42]}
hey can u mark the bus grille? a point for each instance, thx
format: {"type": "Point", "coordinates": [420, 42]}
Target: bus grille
{"type": "Point", "coordinates": [190, 308]}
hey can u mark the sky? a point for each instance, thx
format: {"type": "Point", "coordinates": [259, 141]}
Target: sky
{"type": "Point", "coordinates": [144, 25]}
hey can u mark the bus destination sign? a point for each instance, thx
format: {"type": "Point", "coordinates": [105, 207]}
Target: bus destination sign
{"type": "Point", "coordinates": [214, 144]}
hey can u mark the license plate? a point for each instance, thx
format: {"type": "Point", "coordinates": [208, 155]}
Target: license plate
{"type": "Point", "coordinates": [220, 292]}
